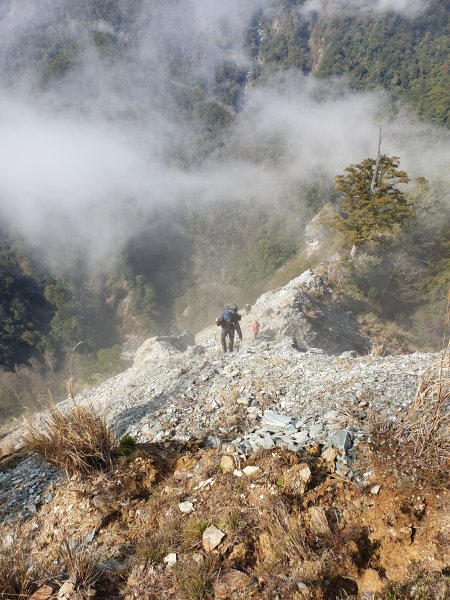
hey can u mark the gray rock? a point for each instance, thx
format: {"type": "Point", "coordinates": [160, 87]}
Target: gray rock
{"type": "Point", "coordinates": [300, 438]}
{"type": "Point", "coordinates": [274, 422]}
{"type": "Point", "coordinates": [315, 431]}
{"type": "Point", "coordinates": [342, 441]}
{"type": "Point", "coordinates": [266, 443]}
{"type": "Point", "coordinates": [212, 536]}
{"type": "Point", "coordinates": [212, 441]}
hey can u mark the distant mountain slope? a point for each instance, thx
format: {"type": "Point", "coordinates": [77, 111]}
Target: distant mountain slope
{"type": "Point", "coordinates": [407, 55]}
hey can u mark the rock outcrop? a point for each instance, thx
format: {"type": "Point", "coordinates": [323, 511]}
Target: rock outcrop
{"type": "Point", "coordinates": [304, 310]}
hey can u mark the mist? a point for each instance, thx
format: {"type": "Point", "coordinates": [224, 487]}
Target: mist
{"type": "Point", "coordinates": [404, 7]}
{"type": "Point", "coordinates": [92, 157]}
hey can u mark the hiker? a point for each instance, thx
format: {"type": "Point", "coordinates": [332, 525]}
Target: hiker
{"type": "Point", "coordinates": [247, 308]}
{"type": "Point", "coordinates": [229, 321]}
{"type": "Point", "coordinates": [255, 329]}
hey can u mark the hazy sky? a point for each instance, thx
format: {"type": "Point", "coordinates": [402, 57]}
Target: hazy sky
{"type": "Point", "coordinates": [86, 160]}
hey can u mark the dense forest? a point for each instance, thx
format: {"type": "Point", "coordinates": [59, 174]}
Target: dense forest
{"type": "Point", "coordinates": [187, 258]}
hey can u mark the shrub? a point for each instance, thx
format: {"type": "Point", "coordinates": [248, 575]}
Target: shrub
{"type": "Point", "coordinates": [127, 444]}
{"type": "Point", "coordinates": [79, 441]}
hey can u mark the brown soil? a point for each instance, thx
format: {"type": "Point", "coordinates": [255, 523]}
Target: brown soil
{"type": "Point", "coordinates": [324, 539]}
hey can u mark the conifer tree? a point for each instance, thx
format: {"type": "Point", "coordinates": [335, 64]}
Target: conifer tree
{"type": "Point", "coordinates": [373, 207]}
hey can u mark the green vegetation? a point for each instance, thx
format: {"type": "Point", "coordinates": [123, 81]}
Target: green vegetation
{"type": "Point", "coordinates": [408, 56]}
{"type": "Point", "coordinates": [373, 207]}
{"type": "Point", "coordinates": [398, 278]}
{"type": "Point", "coordinates": [284, 42]}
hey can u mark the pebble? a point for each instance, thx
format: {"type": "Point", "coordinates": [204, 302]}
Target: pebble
{"type": "Point", "coordinates": [170, 559]}
{"type": "Point", "coordinates": [186, 507]}
{"type": "Point", "coordinates": [250, 470]}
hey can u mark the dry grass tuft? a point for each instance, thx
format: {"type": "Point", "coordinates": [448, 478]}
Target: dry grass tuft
{"type": "Point", "coordinates": [421, 440]}
{"type": "Point", "coordinates": [287, 537]}
{"type": "Point", "coordinates": [144, 581]}
{"type": "Point", "coordinates": [194, 579]}
{"type": "Point", "coordinates": [21, 571]}
{"type": "Point", "coordinates": [79, 441]}
{"type": "Point", "coordinates": [81, 564]}
{"type": "Point", "coordinates": [425, 431]}
{"type": "Point", "coordinates": [379, 348]}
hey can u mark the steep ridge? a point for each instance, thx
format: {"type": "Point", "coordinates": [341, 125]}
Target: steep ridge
{"type": "Point", "coordinates": [304, 364]}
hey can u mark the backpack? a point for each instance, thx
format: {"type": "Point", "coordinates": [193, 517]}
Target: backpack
{"type": "Point", "coordinates": [226, 318]}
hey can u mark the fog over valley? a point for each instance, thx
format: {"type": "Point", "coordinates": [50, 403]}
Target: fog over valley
{"type": "Point", "coordinates": [98, 148]}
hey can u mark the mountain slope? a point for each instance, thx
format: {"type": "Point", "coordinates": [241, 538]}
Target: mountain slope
{"type": "Point", "coordinates": [240, 446]}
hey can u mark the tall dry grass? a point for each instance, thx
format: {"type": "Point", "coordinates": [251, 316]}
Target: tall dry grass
{"type": "Point", "coordinates": [21, 571]}
{"type": "Point", "coordinates": [424, 433]}
{"type": "Point", "coordinates": [78, 441]}
{"type": "Point", "coordinates": [82, 565]}
{"type": "Point", "coordinates": [422, 437]}
{"type": "Point", "coordinates": [425, 430]}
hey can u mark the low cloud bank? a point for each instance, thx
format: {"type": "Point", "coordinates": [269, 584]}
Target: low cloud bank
{"type": "Point", "coordinates": [404, 7]}
{"type": "Point", "coordinates": [88, 158]}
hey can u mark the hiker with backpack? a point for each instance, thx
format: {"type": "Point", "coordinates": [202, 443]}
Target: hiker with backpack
{"type": "Point", "coordinates": [229, 321]}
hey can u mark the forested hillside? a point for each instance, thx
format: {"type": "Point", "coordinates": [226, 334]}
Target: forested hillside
{"type": "Point", "coordinates": [229, 111]}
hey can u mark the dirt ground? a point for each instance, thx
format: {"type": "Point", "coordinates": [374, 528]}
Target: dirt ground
{"type": "Point", "coordinates": [292, 528]}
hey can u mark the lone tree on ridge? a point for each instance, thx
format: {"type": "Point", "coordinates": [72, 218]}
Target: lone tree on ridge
{"type": "Point", "coordinates": [373, 208]}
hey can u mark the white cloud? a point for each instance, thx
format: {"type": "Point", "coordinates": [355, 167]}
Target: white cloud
{"type": "Point", "coordinates": [405, 7]}
{"type": "Point", "coordinates": [85, 162]}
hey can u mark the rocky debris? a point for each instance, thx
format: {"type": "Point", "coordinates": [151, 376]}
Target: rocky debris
{"type": "Point", "coordinates": [173, 404]}
{"type": "Point", "coordinates": [318, 230]}
{"type": "Point", "coordinates": [342, 441]}
{"type": "Point", "coordinates": [291, 498]}
{"type": "Point", "coordinates": [272, 422]}
{"type": "Point", "coordinates": [305, 313]}
{"type": "Point", "coordinates": [25, 488]}
{"type": "Point", "coordinates": [289, 433]}
{"type": "Point", "coordinates": [281, 396]}
{"type": "Point", "coordinates": [162, 347]}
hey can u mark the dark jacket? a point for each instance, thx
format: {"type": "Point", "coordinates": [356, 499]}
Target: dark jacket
{"type": "Point", "coordinates": [232, 323]}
